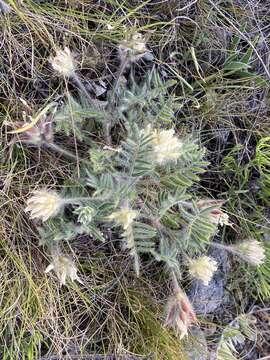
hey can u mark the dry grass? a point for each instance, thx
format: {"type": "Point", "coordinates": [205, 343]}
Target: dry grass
{"type": "Point", "coordinates": [114, 312]}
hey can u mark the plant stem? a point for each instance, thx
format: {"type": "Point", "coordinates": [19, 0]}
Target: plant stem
{"type": "Point", "coordinates": [94, 103]}
{"type": "Point", "coordinates": [108, 124]}
{"type": "Point", "coordinates": [82, 199]}
{"type": "Point", "coordinates": [220, 246]}
{"type": "Point", "coordinates": [227, 248]}
{"type": "Point", "coordinates": [175, 283]}
{"type": "Point", "coordinates": [123, 65]}
{"type": "Point", "coordinates": [55, 249]}
{"type": "Point", "coordinates": [76, 200]}
{"type": "Point", "coordinates": [59, 149]}
{"type": "Point", "coordinates": [107, 131]}
{"type": "Point", "coordinates": [81, 86]}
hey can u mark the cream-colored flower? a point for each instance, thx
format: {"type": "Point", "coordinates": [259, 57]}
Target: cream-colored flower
{"type": "Point", "coordinates": [179, 313]}
{"type": "Point", "coordinates": [44, 204]}
{"type": "Point", "coordinates": [203, 268]}
{"type": "Point", "coordinates": [251, 251]}
{"type": "Point", "coordinates": [63, 62]}
{"type": "Point", "coordinates": [166, 146]}
{"type": "Point", "coordinates": [64, 268]}
{"type": "Point", "coordinates": [124, 217]}
{"type": "Point", "coordinates": [135, 44]}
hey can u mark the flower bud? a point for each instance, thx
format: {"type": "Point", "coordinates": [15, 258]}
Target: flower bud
{"type": "Point", "coordinates": [179, 313]}
{"type": "Point", "coordinates": [36, 135]}
{"type": "Point", "coordinates": [216, 215]}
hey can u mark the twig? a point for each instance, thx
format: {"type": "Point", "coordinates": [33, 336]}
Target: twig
{"type": "Point", "coordinates": [187, 6]}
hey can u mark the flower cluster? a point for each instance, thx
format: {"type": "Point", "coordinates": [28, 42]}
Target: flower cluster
{"type": "Point", "coordinates": [124, 217]}
{"type": "Point", "coordinates": [179, 313]}
{"type": "Point", "coordinates": [166, 146]}
{"type": "Point", "coordinates": [63, 62]}
{"type": "Point", "coordinates": [44, 204]}
{"type": "Point", "coordinates": [203, 268]}
{"type": "Point", "coordinates": [64, 268]}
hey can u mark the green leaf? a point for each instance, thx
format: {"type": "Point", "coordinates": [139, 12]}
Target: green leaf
{"type": "Point", "coordinates": [236, 66]}
{"type": "Point", "coordinates": [135, 155]}
{"type": "Point", "coordinates": [137, 240]}
{"type": "Point", "coordinates": [168, 200]}
{"type": "Point", "coordinates": [199, 229]}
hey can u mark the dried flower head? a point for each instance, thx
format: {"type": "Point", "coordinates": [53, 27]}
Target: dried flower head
{"type": "Point", "coordinates": [251, 251]}
{"type": "Point", "coordinates": [179, 313]}
{"type": "Point", "coordinates": [166, 146]}
{"type": "Point", "coordinates": [203, 268]}
{"type": "Point", "coordinates": [216, 215]}
{"type": "Point", "coordinates": [124, 217]}
{"type": "Point", "coordinates": [134, 45]}
{"type": "Point", "coordinates": [63, 62]}
{"type": "Point", "coordinates": [36, 135]}
{"type": "Point", "coordinates": [64, 268]}
{"type": "Point", "coordinates": [44, 204]}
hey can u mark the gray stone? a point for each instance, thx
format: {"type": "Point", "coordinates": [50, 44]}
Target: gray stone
{"type": "Point", "coordinates": [196, 347]}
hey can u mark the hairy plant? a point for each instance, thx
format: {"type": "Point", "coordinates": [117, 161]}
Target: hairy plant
{"type": "Point", "coordinates": [77, 91]}
{"type": "Point", "coordinates": [139, 188]}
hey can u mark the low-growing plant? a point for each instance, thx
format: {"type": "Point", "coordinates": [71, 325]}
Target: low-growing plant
{"type": "Point", "coordinates": [138, 183]}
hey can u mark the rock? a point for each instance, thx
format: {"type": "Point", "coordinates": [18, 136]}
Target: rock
{"type": "Point", "coordinates": [4, 7]}
{"type": "Point", "coordinates": [196, 347]}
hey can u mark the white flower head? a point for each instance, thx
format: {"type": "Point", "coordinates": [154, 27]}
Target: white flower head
{"type": "Point", "coordinates": [251, 251]}
{"type": "Point", "coordinates": [166, 146]}
{"type": "Point", "coordinates": [124, 217]}
{"type": "Point", "coordinates": [44, 204]}
{"type": "Point", "coordinates": [64, 268]}
{"type": "Point", "coordinates": [203, 268]}
{"type": "Point", "coordinates": [63, 62]}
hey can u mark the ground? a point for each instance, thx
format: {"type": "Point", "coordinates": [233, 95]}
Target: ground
{"type": "Point", "coordinates": [216, 55]}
